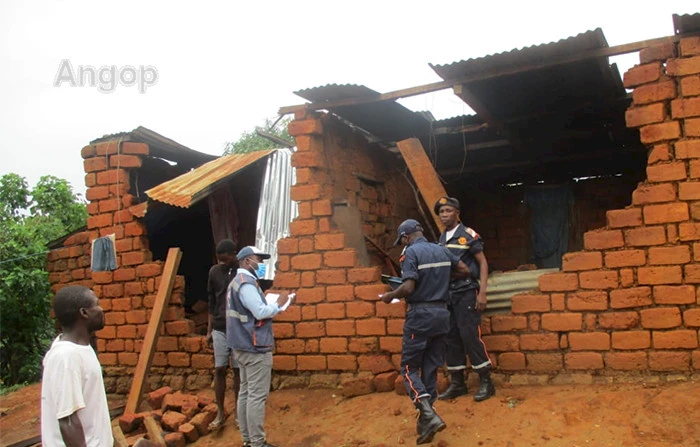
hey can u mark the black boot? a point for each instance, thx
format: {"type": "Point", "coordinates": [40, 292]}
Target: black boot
{"type": "Point", "coordinates": [486, 388]}
{"type": "Point", "coordinates": [429, 422]}
{"type": "Point", "coordinates": [458, 386]}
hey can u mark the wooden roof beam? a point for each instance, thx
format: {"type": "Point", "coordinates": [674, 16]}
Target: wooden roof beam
{"type": "Point", "coordinates": [437, 86]}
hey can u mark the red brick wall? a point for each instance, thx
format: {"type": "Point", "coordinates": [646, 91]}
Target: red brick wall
{"type": "Point", "coordinates": [628, 301]}
{"type": "Point", "coordinates": [127, 294]}
{"type": "Point", "coordinates": [337, 323]}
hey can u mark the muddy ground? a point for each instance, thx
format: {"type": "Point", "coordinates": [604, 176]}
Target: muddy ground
{"type": "Point", "coordinates": [649, 415]}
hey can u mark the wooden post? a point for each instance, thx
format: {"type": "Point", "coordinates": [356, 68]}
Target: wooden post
{"type": "Point", "coordinates": [427, 180]}
{"type": "Point", "coordinates": [119, 438]}
{"type": "Point", "coordinates": [154, 430]}
{"type": "Point", "coordinates": [172, 262]}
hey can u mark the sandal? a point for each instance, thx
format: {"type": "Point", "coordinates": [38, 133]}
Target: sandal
{"type": "Point", "coordinates": [217, 424]}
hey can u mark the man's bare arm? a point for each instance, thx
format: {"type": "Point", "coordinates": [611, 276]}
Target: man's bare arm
{"type": "Point", "coordinates": [72, 431]}
{"type": "Point", "coordinates": [483, 280]}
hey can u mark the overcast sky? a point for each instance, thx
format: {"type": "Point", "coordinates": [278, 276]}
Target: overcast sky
{"type": "Point", "coordinates": [223, 67]}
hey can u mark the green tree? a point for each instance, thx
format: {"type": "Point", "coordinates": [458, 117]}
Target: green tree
{"type": "Point", "coordinates": [251, 141]}
{"type": "Point", "coordinates": [29, 220]}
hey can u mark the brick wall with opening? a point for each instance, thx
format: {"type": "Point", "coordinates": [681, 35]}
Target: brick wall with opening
{"type": "Point", "coordinates": [627, 303]}
{"type": "Point", "coordinates": [128, 293]}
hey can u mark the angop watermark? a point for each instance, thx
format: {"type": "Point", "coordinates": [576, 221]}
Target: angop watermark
{"type": "Point", "coordinates": [107, 77]}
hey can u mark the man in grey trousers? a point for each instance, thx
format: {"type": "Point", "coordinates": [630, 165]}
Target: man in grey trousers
{"type": "Point", "coordinates": [249, 334]}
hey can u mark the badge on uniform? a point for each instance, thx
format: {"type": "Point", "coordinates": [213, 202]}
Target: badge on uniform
{"type": "Point", "coordinates": [462, 240]}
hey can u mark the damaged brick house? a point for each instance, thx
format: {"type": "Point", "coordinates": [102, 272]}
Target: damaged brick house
{"type": "Point", "coordinates": [560, 168]}
{"type": "Point", "coordinates": [151, 194]}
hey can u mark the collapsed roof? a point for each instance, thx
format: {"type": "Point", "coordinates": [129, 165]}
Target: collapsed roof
{"type": "Point", "coordinates": [554, 111]}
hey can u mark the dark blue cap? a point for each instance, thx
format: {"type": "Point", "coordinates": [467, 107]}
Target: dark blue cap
{"type": "Point", "coordinates": [408, 226]}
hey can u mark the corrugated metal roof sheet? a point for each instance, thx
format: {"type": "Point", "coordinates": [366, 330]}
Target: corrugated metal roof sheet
{"type": "Point", "coordinates": [502, 287]}
{"type": "Point", "coordinates": [686, 23]}
{"type": "Point", "coordinates": [387, 120]}
{"type": "Point", "coordinates": [161, 146]}
{"type": "Point", "coordinates": [544, 109]}
{"type": "Point", "coordinates": [189, 188]}
{"type": "Point", "coordinates": [522, 57]}
{"type": "Point", "coordinates": [557, 87]}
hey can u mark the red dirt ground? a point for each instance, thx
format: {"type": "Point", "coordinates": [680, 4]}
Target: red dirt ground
{"type": "Point", "coordinates": [664, 414]}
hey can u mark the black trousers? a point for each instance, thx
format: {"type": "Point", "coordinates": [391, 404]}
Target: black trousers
{"type": "Point", "coordinates": [464, 339]}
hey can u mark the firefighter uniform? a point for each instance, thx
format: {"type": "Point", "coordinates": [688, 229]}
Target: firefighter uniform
{"type": "Point", "coordinates": [464, 338]}
{"type": "Point", "coordinates": [427, 318]}
{"type": "Point", "coordinates": [465, 332]}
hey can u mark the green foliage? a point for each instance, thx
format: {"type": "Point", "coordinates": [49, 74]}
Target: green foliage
{"type": "Point", "coordinates": [5, 390]}
{"type": "Point", "coordinates": [251, 141]}
{"type": "Point", "coordinates": [29, 220]}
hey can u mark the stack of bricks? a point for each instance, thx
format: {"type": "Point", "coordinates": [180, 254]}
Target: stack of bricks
{"type": "Point", "coordinates": [629, 301]}
{"type": "Point", "coordinates": [128, 293]}
{"type": "Point", "coordinates": [337, 323]}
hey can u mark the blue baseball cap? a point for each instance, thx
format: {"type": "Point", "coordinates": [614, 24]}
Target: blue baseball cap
{"type": "Point", "coordinates": [250, 251]}
{"type": "Point", "coordinates": [408, 226]}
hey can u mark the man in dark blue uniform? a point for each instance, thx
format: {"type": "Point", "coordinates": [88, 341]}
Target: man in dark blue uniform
{"type": "Point", "coordinates": [467, 299]}
{"type": "Point", "coordinates": [425, 270]}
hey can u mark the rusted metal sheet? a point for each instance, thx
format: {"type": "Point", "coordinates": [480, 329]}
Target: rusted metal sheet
{"type": "Point", "coordinates": [558, 87]}
{"type": "Point", "coordinates": [387, 120]}
{"type": "Point", "coordinates": [502, 287]}
{"type": "Point", "coordinates": [189, 188]}
{"type": "Point", "coordinates": [686, 23]}
{"type": "Point", "coordinates": [522, 57]}
{"type": "Point", "coordinates": [139, 210]}
{"type": "Point", "coordinates": [160, 146]}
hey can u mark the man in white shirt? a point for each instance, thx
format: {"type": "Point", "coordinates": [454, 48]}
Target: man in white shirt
{"type": "Point", "coordinates": [74, 411]}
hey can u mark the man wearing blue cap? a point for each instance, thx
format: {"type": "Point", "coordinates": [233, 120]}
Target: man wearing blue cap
{"type": "Point", "coordinates": [249, 334]}
{"type": "Point", "coordinates": [425, 271]}
{"type": "Point", "coordinates": [467, 299]}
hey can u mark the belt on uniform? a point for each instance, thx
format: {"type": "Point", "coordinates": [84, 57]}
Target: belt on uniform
{"type": "Point", "coordinates": [441, 304]}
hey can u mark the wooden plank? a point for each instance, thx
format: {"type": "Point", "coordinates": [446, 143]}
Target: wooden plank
{"type": "Point", "coordinates": [423, 173]}
{"type": "Point", "coordinates": [172, 262]}
{"type": "Point", "coordinates": [391, 264]}
{"type": "Point", "coordinates": [27, 442]}
{"type": "Point", "coordinates": [119, 438]}
{"type": "Point", "coordinates": [154, 430]}
{"type": "Point", "coordinates": [442, 85]}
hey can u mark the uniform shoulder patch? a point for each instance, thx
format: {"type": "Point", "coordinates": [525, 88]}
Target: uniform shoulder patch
{"type": "Point", "coordinates": [472, 233]}
{"type": "Point", "coordinates": [462, 240]}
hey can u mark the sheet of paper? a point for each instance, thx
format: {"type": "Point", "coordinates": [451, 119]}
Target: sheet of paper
{"type": "Point", "coordinates": [289, 301]}
{"type": "Point", "coordinates": [271, 298]}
